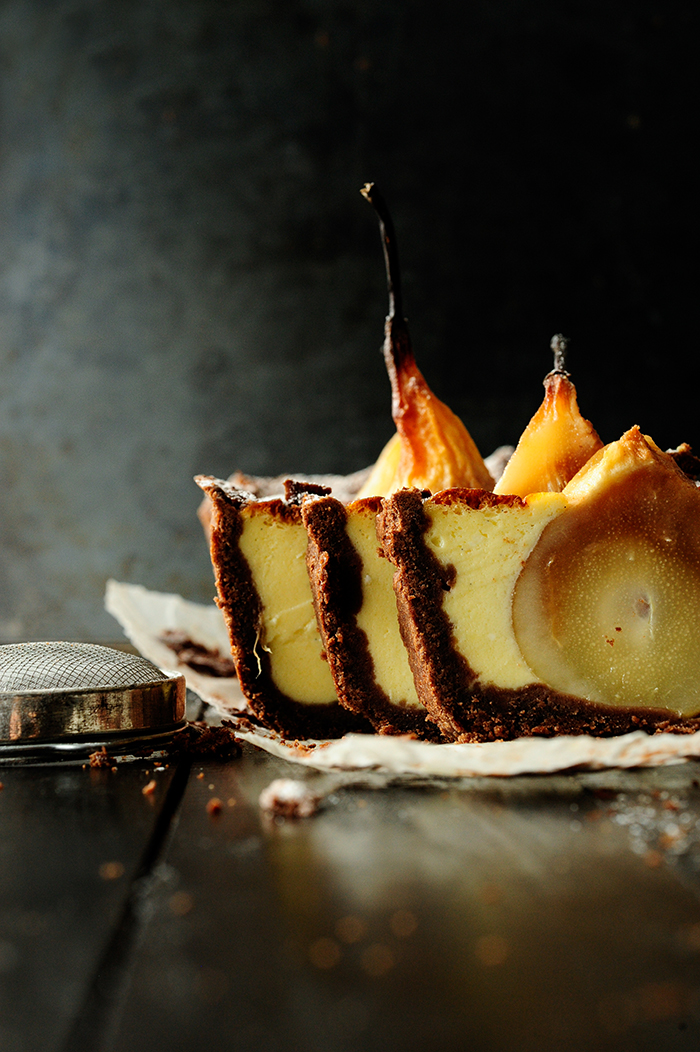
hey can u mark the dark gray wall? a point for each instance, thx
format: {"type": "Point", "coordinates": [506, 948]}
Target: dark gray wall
{"type": "Point", "coordinates": [190, 281]}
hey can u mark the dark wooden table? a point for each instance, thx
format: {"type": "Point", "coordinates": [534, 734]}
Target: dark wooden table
{"type": "Point", "coordinates": [525, 914]}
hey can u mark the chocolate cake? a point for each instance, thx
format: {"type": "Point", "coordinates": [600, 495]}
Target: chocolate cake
{"type": "Point", "coordinates": [258, 552]}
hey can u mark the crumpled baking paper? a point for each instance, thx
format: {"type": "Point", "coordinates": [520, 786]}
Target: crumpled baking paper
{"type": "Point", "coordinates": [145, 616]}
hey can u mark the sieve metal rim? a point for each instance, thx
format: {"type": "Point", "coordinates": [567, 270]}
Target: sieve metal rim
{"type": "Point", "coordinates": [75, 713]}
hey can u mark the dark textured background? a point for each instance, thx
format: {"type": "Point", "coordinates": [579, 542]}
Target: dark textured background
{"type": "Point", "coordinates": [190, 281]}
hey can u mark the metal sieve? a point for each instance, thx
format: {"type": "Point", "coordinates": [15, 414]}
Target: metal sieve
{"type": "Point", "coordinates": [70, 697]}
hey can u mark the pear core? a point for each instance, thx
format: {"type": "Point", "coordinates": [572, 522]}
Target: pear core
{"type": "Point", "coordinates": [607, 605]}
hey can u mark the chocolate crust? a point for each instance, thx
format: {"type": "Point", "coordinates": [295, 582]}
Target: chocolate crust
{"type": "Point", "coordinates": [242, 610]}
{"type": "Point", "coordinates": [464, 708]}
{"type": "Point", "coordinates": [335, 572]}
{"type": "Point", "coordinates": [345, 487]}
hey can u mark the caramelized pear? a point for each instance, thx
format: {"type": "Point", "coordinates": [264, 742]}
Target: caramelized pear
{"type": "Point", "coordinates": [556, 443]}
{"type": "Point", "coordinates": [432, 449]}
{"type": "Point", "coordinates": [607, 606]}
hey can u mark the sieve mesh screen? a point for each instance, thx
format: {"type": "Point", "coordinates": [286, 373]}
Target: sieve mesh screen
{"type": "Point", "coordinates": [56, 666]}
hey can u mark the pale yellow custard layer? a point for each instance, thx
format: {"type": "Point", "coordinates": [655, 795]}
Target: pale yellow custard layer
{"type": "Point", "coordinates": [275, 551]}
{"type": "Point", "coordinates": [489, 545]}
{"type": "Point", "coordinates": [377, 617]}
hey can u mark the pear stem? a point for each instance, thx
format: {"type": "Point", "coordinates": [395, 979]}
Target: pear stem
{"type": "Point", "coordinates": [391, 255]}
{"type": "Point", "coordinates": [397, 342]}
{"type": "Point", "coordinates": [559, 346]}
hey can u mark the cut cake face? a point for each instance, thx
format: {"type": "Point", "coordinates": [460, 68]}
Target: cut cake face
{"type": "Point", "coordinates": [258, 550]}
{"type": "Point", "coordinates": [355, 607]}
{"type": "Point", "coordinates": [512, 610]}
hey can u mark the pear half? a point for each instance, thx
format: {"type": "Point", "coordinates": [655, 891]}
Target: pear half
{"type": "Point", "coordinates": [607, 606]}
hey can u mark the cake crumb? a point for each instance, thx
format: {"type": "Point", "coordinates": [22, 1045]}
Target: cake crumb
{"type": "Point", "coordinates": [150, 788]}
{"type": "Point", "coordinates": [289, 798]}
{"type": "Point", "coordinates": [199, 739]}
{"type": "Point", "coordinates": [214, 806]}
{"type": "Point", "coordinates": [101, 758]}
{"type": "Point", "coordinates": [198, 657]}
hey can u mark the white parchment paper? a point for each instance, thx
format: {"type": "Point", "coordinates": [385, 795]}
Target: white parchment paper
{"type": "Point", "coordinates": [146, 616]}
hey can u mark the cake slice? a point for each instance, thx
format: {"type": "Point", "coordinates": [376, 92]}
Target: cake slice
{"type": "Point", "coordinates": [557, 613]}
{"type": "Point", "coordinates": [351, 584]}
{"type": "Point", "coordinates": [258, 550]}
{"type": "Point", "coordinates": [352, 588]}
{"type": "Point", "coordinates": [351, 581]}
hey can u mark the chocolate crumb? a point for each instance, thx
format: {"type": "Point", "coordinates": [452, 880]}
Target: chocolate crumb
{"type": "Point", "coordinates": [289, 799]}
{"type": "Point", "coordinates": [303, 747]}
{"type": "Point", "coordinates": [101, 758]}
{"type": "Point", "coordinates": [198, 657]}
{"type": "Point", "coordinates": [199, 739]}
{"type": "Point", "coordinates": [295, 491]}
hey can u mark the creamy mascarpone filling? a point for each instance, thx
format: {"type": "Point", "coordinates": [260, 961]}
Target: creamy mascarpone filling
{"type": "Point", "coordinates": [275, 550]}
{"type": "Point", "coordinates": [377, 616]}
{"type": "Point", "coordinates": [488, 546]}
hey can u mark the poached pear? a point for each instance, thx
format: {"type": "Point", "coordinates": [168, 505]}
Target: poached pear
{"type": "Point", "coordinates": [607, 605]}
{"type": "Point", "coordinates": [556, 443]}
{"type": "Point", "coordinates": [432, 449]}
